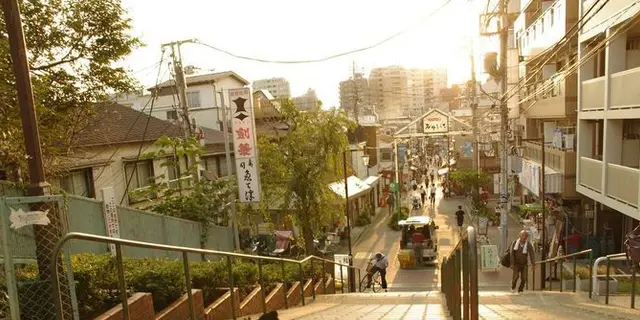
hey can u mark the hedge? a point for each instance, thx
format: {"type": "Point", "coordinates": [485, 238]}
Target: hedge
{"type": "Point", "coordinates": [97, 285]}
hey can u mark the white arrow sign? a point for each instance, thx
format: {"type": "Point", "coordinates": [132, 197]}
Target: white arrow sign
{"type": "Point", "coordinates": [19, 218]}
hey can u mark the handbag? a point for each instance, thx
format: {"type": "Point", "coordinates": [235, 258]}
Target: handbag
{"type": "Point", "coordinates": [505, 261]}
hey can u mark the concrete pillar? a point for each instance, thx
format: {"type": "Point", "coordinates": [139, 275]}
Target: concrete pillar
{"type": "Point", "coordinates": [586, 131]}
{"type": "Point", "coordinates": [613, 141]}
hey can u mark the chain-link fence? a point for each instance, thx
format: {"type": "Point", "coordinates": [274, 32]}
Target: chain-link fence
{"type": "Point", "coordinates": [31, 228]}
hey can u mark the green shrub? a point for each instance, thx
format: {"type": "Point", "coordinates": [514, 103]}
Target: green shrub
{"type": "Point", "coordinates": [163, 278]}
{"type": "Point", "coordinates": [393, 222]}
{"type": "Point", "coordinates": [363, 220]}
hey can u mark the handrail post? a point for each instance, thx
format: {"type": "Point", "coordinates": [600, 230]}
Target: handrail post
{"type": "Point", "coordinates": [473, 275]}
{"type": "Point", "coordinates": [187, 276]}
{"type": "Point", "coordinates": [262, 288]}
{"type": "Point", "coordinates": [556, 274]}
{"type": "Point", "coordinates": [359, 280]}
{"type": "Point", "coordinates": [313, 280]}
{"type": "Point", "coordinates": [574, 274]}
{"type": "Point", "coordinates": [341, 279]}
{"type": "Point", "coordinates": [284, 283]}
{"type": "Point", "coordinates": [590, 275]}
{"type": "Point", "coordinates": [121, 282]}
{"type": "Point", "coordinates": [533, 279]}
{"type": "Point", "coordinates": [302, 283]}
{"type": "Point", "coordinates": [633, 286]}
{"type": "Point", "coordinates": [550, 278]}
{"type": "Point", "coordinates": [324, 276]}
{"type": "Point", "coordinates": [231, 291]}
{"type": "Point", "coordinates": [465, 281]}
{"type": "Point", "coordinates": [606, 280]}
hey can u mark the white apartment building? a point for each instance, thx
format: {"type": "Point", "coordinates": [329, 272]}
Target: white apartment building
{"type": "Point", "coordinates": [609, 116]}
{"type": "Point", "coordinates": [278, 87]}
{"type": "Point", "coordinates": [204, 105]}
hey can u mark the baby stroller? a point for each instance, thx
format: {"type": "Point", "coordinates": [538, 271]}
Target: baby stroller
{"type": "Point", "coordinates": [416, 204]}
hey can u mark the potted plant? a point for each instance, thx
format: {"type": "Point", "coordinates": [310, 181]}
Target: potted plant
{"type": "Point", "coordinates": [602, 281]}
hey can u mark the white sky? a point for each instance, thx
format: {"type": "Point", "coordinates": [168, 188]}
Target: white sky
{"type": "Point", "coordinates": [304, 29]}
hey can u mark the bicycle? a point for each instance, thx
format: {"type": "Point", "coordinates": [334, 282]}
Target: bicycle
{"type": "Point", "coordinates": [375, 285]}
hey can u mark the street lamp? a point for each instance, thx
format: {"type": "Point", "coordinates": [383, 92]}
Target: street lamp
{"type": "Point", "coordinates": [365, 161]}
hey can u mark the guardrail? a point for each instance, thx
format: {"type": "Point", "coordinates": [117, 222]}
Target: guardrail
{"type": "Point", "coordinates": [608, 276]}
{"type": "Point", "coordinates": [459, 275]}
{"type": "Point", "coordinates": [554, 261]}
{"type": "Point", "coordinates": [185, 251]}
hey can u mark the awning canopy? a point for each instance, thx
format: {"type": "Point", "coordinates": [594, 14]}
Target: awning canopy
{"type": "Point", "coordinates": [372, 180]}
{"type": "Point", "coordinates": [356, 187]}
{"type": "Point", "coordinates": [443, 171]}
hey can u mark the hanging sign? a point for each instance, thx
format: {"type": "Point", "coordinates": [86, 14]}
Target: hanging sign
{"type": "Point", "coordinates": [244, 145]}
{"type": "Point", "coordinates": [436, 122]}
{"type": "Point", "coordinates": [20, 218]}
{"type": "Point", "coordinates": [111, 221]}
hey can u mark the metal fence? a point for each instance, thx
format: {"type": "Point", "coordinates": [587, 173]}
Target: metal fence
{"type": "Point", "coordinates": [56, 283]}
{"type": "Point", "coordinates": [459, 277]}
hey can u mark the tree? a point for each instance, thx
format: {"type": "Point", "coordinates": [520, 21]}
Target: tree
{"type": "Point", "coordinates": [73, 46]}
{"type": "Point", "coordinates": [296, 170]}
{"type": "Point", "coordinates": [471, 180]}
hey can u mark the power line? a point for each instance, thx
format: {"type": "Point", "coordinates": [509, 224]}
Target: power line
{"type": "Point", "coordinates": [333, 56]}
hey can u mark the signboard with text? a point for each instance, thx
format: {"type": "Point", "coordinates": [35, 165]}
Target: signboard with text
{"type": "Point", "coordinates": [244, 145]}
{"type": "Point", "coordinates": [436, 122]}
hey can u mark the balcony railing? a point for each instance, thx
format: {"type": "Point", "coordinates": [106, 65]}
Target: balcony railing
{"type": "Point", "coordinates": [592, 94]}
{"type": "Point", "coordinates": [549, 27]}
{"type": "Point", "coordinates": [591, 173]}
{"type": "Point", "coordinates": [622, 184]}
{"type": "Point", "coordinates": [624, 93]}
{"type": "Point", "coordinates": [561, 160]}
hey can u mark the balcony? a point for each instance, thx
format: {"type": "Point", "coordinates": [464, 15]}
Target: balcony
{"type": "Point", "coordinates": [596, 23]}
{"type": "Point", "coordinates": [592, 94]}
{"type": "Point", "coordinates": [622, 184]}
{"type": "Point", "coordinates": [561, 160]}
{"type": "Point", "coordinates": [624, 93]}
{"type": "Point", "coordinates": [548, 28]}
{"type": "Point", "coordinates": [591, 173]}
{"type": "Point", "coordinates": [558, 100]}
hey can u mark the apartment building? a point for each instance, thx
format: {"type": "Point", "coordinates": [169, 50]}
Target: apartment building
{"type": "Point", "coordinates": [547, 103]}
{"type": "Point", "coordinates": [355, 90]}
{"type": "Point", "coordinates": [307, 101]}
{"type": "Point", "coordinates": [609, 117]}
{"type": "Point", "coordinates": [278, 87]}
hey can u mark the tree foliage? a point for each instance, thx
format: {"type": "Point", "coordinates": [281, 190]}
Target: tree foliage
{"type": "Point", "coordinates": [470, 179]}
{"type": "Point", "coordinates": [73, 46]}
{"type": "Point", "coordinates": [295, 171]}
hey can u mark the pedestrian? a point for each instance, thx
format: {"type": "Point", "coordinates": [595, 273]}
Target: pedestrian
{"type": "Point", "coordinates": [379, 263]}
{"type": "Point", "coordinates": [423, 194]}
{"type": "Point", "coordinates": [460, 218]}
{"type": "Point", "coordinates": [520, 251]}
{"type": "Point", "coordinates": [391, 201]}
{"type": "Point", "coordinates": [417, 240]}
{"type": "Point", "coordinates": [433, 194]}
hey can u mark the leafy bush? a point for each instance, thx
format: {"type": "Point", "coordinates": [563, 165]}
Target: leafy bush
{"type": "Point", "coordinates": [403, 215]}
{"type": "Point", "coordinates": [363, 220]}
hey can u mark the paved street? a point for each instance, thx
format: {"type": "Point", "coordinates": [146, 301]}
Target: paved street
{"type": "Point", "coordinates": [380, 238]}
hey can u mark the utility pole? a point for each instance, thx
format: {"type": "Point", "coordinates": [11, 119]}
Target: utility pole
{"type": "Point", "coordinates": [356, 112]}
{"type": "Point", "coordinates": [504, 123]}
{"type": "Point", "coordinates": [473, 102]}
{"type": "Point", "coordinates": [47, 236]}
{"type": "Point", "coordinates": [227, 156]}
{"type": "Point", "coordinates": [181, 84]}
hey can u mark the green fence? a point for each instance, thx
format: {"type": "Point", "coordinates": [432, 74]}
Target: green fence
{"type": "Point", "coordinates": [86, 215]}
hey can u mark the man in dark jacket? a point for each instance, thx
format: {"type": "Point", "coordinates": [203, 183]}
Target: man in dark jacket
{"type": "Point", "coordinates": [521, 251]}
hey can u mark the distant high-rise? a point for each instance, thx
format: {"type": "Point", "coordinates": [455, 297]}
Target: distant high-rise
{"type": "Point", "coordinates": [355, 92]}
{"type": "Point", "coordinates": [306, 101]}
{"type": "Point", "coordinates": [278, 87]}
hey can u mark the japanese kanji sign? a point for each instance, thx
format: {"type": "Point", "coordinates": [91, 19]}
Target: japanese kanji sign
{"type": "Point", "coordinates": [436, 122]}
{"type": "Point", "coordinates": [244, 145]}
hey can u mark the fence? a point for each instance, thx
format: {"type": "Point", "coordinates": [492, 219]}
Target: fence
{"type": "Point", "coordinates": [459, 276]}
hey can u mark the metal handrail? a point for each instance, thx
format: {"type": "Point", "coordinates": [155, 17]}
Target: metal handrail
{"type": "Point", "coordinates": [608, 275]}
{"type": "Point", "coordinates": [185, 251]}
{"type": "Point", "coordinates": [555, 261]}
{"type": "Point", "coordinates": [460, 269]}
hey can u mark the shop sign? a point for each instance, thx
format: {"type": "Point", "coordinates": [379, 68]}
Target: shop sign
{"type": "Point", "coordinates": [436, 122]}
{"type": "Point", "coordinates": [244, 145]}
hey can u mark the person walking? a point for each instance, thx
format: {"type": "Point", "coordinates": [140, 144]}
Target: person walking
{"type": "Point", "coordinates": [433, 194]}
{"type": "Point", "coordinates": [460, 218]}
{"type": "Point", "coordinates": [423, 194]}
{"type": "Point", "coordinates": [520, 252]}
{"type": "Point", "coordinates": [417, 240]}
{"type": "Point", "coordinates": [391, 202]}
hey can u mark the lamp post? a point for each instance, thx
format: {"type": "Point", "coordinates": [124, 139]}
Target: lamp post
{"type": "Point", "coordinates": [365, 161]}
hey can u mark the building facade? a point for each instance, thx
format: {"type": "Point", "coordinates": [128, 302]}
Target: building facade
{"type": "Point", "coordinates": [608, 166]}
{"type": "Point", "coordinates": [307, 101]}
{"type": "Point", "coordinates": [278, 87]}
{"type": "Point", "coordinates": [355, 94]}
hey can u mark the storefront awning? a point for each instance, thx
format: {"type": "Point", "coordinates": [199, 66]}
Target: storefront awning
{"type": "Point", "coordinates": [372, 180]}
{"type": "Point", "coordinates": [443, 171]}
{"type": "Point", "coordinates": [356, 187]}
{"type": "Point", "coordinates": [530, 178]}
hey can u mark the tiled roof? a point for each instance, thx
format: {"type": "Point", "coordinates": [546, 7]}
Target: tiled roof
{"type": "Point", "coordinates": [116, 124]}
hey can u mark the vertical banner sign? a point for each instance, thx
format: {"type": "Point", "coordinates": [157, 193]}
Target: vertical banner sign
{"type": "Point", "coordinates": [110, 216]}
{"type": "Point", "coordinates": [244, 145]}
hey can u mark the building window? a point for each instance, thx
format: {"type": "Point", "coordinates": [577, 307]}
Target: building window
{"type": "Point", "coordinates": [79, 182]}
{"type": "Point", "coordinates": [138, 174]}
{"type": "Point", "coordinates": [193, 99]}
{"type": "Point", "coordinates": [172, 115]}
{"type": "Point", "coordinates": [386, 155]}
